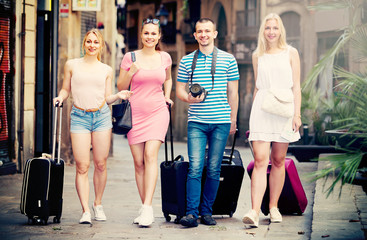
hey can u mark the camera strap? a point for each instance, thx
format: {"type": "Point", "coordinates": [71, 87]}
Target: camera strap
{"type": "Point", "coordinates": [212, 70]}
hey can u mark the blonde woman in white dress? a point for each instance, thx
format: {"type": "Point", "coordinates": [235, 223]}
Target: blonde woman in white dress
{"type": "Point", "coordinates": [276, 65]}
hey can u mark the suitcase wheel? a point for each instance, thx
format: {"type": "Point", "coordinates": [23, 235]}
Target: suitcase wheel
{"type": "Point", "coordinates": [167, 217]}
{"type": "Point", "coordinates": [31, 221]}
{"type": "Point", "coordinates": [177, 220]}
{"type": "Point", "coordinates": [44, 221]}
{"type": "Point", "coordinates": [56, 220]}
{"type": "Point", "coordinates": [231, 214]}
{"type": "Point", "coordinates": [39, 221]}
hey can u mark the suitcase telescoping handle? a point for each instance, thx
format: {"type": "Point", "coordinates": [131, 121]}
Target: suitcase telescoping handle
{"type": "Point", "coordinates": [170, 137]}
{"type": "Point", "coordinates": [171, 140]}
{"type": "Point", "coordinates": [249, 142]}
{"type": "Point", "coordinates": [234, 143]}
{"type": "Point", "coordinates": [232, 149]}
{"type": "Point", "coordinates": [57, 106]}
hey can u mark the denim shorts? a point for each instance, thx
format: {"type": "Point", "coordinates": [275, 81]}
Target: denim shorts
{"type": "Point", "coordinates": [82, 121]}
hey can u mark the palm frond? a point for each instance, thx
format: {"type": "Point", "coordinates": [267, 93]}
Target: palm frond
{"type": "Point", "coordinates": [359, 42]}
{"type": "Point", "coordinates": [341, 166]}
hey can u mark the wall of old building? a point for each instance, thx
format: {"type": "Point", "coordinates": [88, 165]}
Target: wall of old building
{"type": "Point", "coordinates": [70, 37]}
{"type": "Point", "coordinates": [30, 10]}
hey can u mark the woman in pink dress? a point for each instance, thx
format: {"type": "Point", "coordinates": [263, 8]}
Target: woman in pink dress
{"type": "Point", "coordinates": [150, 115]}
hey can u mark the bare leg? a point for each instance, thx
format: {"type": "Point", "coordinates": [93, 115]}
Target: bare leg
{"type": "Point", "coordinates": [151, 169]}
{"type": "Point", "coordinates": [137, 150]}
{"type": "Point", "coordinates": [81, 152]}
{"type": "Point", "coordinates": [259, 178]}
{"type": "Point", "coordinates": [277, 173]}
{"type": "Point", "coordinates": [101, 142]}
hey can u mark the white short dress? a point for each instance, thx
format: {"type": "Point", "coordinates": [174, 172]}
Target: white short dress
{"type": "Point", "coordinates": [274, 71]}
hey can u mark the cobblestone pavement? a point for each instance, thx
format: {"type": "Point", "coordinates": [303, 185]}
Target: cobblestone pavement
{"type": "Point", "coordinates": [323, 219]}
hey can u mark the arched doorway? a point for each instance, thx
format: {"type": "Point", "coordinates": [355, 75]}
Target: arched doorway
{"type": "Point", "coordinates": [221, 26]}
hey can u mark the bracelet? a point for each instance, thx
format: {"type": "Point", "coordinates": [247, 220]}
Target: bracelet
{"type": "Point", "coordinates": [298, 116]}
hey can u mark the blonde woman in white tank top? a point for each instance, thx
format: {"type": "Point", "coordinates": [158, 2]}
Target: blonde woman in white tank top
{"type": "Point", "coordinates": [275, 64]}
{"type": "Point", "coordinates": [89, 80]}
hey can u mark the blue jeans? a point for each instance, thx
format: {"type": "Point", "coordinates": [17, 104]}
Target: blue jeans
{"type": "Point", "coordinates": [198, 135]}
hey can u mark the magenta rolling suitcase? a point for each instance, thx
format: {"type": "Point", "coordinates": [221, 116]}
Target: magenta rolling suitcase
{"type": "Point", "coordinates": [293, 197]}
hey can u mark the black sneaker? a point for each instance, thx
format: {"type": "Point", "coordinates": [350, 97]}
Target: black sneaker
{"type": "Point", "coordinates": [189, 221]}
{"type": "Point", "coordinates": [208, 220]}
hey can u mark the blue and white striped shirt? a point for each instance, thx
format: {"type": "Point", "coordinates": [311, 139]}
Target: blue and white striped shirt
{"type": "Point", "coordinates": [215, 109]}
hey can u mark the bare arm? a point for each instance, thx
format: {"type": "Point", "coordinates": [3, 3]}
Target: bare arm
{"type": "Point", "coordinates": [66, 84]}
{"type": "Point", "coordinates": [111, 98]}
{"type": "Point", "coordinates": [296, 72]}
{"type": "Point", "coordinates": [232, 92]}
{"type": "Point", "coordinates": [168, 85]}
{"type": "Point", "coordinates": [181, 91]}
{"type": "Point", "coordinates": [254, 66]}
{"type": "Point", "coordinates": [125, 77]}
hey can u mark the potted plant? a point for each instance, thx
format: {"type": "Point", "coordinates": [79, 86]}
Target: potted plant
{"type": "Point", "coordinates": [347, 109]}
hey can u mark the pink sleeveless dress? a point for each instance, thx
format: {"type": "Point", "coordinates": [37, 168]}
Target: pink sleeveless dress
{"type": "Point", "coordinates": [150, 114]}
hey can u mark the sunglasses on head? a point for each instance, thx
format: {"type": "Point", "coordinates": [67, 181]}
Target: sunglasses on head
{"type": "Point", "coordinates": [151, 20]}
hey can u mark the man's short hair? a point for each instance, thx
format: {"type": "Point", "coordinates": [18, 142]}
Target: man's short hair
{"type": "Point", "coordinates": [204, 20]}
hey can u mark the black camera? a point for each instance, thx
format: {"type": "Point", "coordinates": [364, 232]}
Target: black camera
{"type": "Point", "coordinates": [196, 90]}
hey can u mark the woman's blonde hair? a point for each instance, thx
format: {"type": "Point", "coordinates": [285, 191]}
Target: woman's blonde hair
{"type": "Point", "coordinates": [261, 41]}
{"type": "Point", "coordinates": [100, 39]}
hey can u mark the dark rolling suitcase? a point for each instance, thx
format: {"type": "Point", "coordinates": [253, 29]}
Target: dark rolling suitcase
{"type": "Point", "coordinates": [293, 198]}
{"type": "Point", "coordinates": [173, 183]}
{"type": "Point", "coordinates": [43, 184]}
{"type": "Point", "coordinates": [231, 177]}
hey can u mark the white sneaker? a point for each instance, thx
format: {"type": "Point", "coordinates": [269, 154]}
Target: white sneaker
{"type": "Point", "coordinates": [86, 218]}
{"type": "Point", "coordinates": [99, 213]}
{"type": "Point", "coordinates": [275, 215]}
{"type": "Point", "coordinates": [251, 218]}
{"type": "Point", "coordinates": [137, 219]}
{"type": "Point", "coordinates": [146, 216]}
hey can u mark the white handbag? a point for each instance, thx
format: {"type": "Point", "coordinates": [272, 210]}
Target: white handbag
{"type": "Point", "coordinates": [279, 102]}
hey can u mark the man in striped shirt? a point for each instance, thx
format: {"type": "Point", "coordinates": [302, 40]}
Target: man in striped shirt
{"type": "Point", "coordinates": [211, 117]}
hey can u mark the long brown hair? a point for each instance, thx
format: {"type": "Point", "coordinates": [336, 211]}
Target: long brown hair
{"type": "Point", "coordinates": [100, 39]}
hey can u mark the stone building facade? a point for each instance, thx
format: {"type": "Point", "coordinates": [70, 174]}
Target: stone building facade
{"type": "Point", "coordinates": [238, 21]}
{"type": "Point", "coordinates": [37, 37]}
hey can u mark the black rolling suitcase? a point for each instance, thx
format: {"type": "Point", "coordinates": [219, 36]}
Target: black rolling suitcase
{"type": "Point", "coordinates": [173, 183]}
{"type": "Point", "coordinates": [43, 184]}
{"type": "Point", "coordinates": [231, 176]}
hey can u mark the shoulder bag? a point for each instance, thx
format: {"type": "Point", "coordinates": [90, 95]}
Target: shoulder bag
{"type": "Point", "coordinates": [121, 114]}
{"type": "Point", "coordinates": [279, 102]}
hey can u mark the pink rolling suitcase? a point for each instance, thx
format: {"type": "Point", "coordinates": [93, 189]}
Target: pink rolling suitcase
{"type": "Point", "coordinates": [293, 197]}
